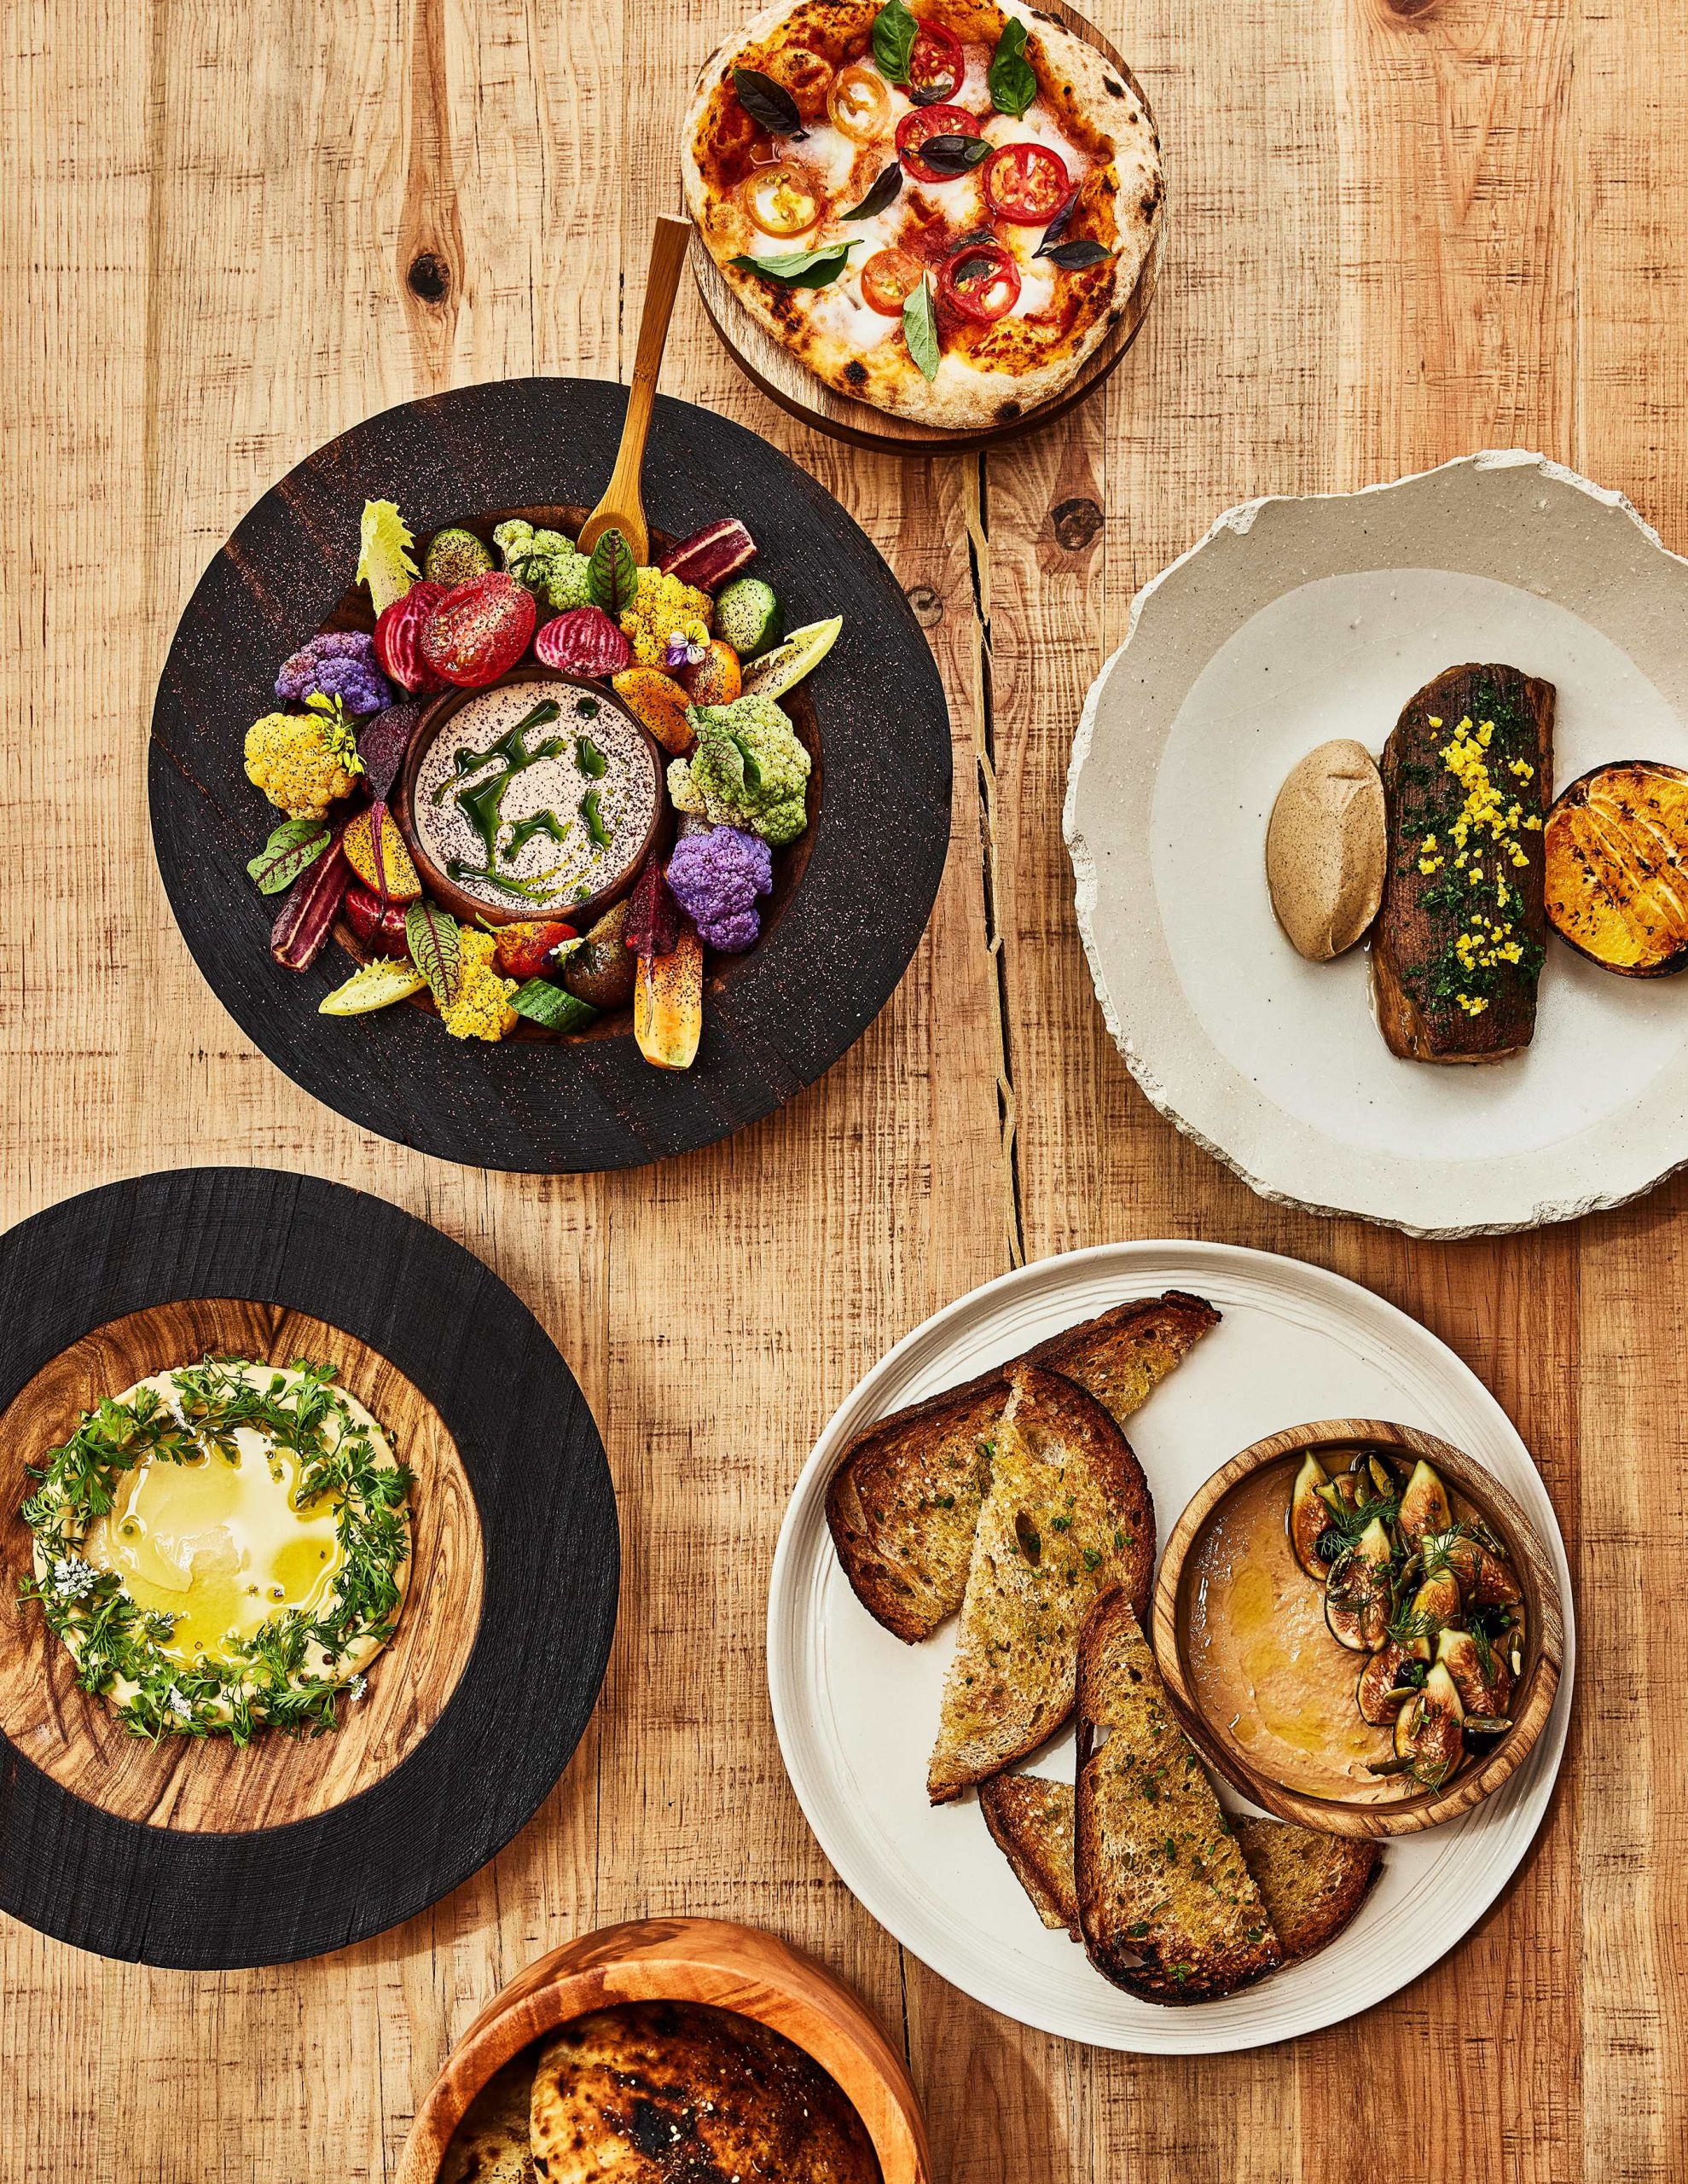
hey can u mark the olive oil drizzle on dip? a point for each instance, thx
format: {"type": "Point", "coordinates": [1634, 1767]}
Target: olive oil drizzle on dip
{"type": "Point", "coordinates": [223, 1547]}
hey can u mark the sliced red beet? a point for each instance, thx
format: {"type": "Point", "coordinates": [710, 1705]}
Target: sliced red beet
{"type": "Point", "coordinates": [310, 907]}
{"type": "Point", "coordinates": [712, 555]}
{"type": "Point", "coordinates": [653, 915]}
{"type": "Point", "coordinates": [479, 630]}
{"type": "Point", "coordinates": [583, 641]}
{"type": "Point", "coordinates": [398, 639]}
{"type": "Point", "coordinates": [382, 741]}
{"type": "Point", "coordinates": [380, 927]}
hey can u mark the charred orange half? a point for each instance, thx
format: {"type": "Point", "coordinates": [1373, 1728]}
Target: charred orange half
{"type": "Point", "coordinates": [1616, 865]}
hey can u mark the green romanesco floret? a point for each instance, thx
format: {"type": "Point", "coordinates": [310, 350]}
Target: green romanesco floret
{"type": "Point", "coordinates": [662, 605]}
{"type": "Point", "coordinates": [748, 770]}
{"type": "Point", "coordinates": [303, 762]}
{"type": "Point", "coordinates": [546, 561]}
{"type": "Point", "coordinates": [482, 1009]}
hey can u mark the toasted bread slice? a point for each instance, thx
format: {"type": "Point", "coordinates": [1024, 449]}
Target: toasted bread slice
{"type": "Point", "coordinates": [1168, 1908]}
{"type": "Point", "coordinates": [1312, 1884]}
{"type": "Point", "coordinates": [1031, 1819]}
{"type": "Point", "coordinates": [906, 1497]}
{"type": "Point", "coordinates": [1067, 1514]}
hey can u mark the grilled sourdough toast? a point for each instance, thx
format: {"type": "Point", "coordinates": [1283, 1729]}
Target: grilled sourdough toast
{"type": "Point", "coordinates": [1312, 1883]}
{"type": "Point", "coordinates": [1457, 947]}
{"type": "Point", "coordinates": [1168, 1908]}
{"type": "Point", "coordinates": [905, 1499]}
{"type": "Point", "coordinates": [1066, 1514]}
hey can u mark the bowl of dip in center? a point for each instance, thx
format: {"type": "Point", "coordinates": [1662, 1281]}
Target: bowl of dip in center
{"type": "Point", "coordinates": [537, 797]}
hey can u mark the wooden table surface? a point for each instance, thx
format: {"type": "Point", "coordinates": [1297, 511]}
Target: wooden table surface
{"type": "Point", "coordinates": [1401, 230]}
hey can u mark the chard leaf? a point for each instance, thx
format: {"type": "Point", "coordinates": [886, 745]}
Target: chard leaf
{"type": "Point", "coordinates": [920, 329]}
{"type": "Point", "coordinates": [294, 845]}
{"type": "Point", "coordinates": [434, 950]}
{"type": "Point", "coordinates": [612, 576]}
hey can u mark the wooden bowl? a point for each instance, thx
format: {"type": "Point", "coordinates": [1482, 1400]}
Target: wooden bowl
{"type": "Point", "coordinates": [710, 1960]}
{"type": "Point", "coordinates": [1533, 1698]}
{"type": "Point", "coordinates": [468, 909]}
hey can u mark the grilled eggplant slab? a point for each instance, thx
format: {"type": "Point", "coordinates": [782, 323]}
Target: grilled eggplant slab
{"type": "Point", "coordinates": [1456, 949]}
{"type": "Point", "coordinates": [1617, 854]}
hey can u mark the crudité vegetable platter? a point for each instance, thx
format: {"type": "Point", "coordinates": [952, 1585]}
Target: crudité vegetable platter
{"type": "Point", "coordinates": [536, 858]}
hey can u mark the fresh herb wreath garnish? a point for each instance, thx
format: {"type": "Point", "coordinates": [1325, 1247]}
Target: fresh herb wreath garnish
{"type": "Point", "coordinates": [289, 1672]}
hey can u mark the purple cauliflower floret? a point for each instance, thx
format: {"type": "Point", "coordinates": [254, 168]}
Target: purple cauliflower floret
{"type": "Point", "coordinates": [341, 664]}
{"type": "Point", "coordinates": [715, 878]}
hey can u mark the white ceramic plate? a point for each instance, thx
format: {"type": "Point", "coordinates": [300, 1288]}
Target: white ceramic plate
{"type": "Point", "coordinates": [1295, 621]}
{"type": "Point", "coordinates": [857, 1710]}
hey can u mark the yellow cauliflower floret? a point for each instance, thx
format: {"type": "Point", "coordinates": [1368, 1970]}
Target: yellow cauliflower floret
{"type": "Point", "coordinates": [482, 1009]}
{"type": "Point", "coordinates": [661, 605]}
{"type": "Point", "coordinates": [303, 762]}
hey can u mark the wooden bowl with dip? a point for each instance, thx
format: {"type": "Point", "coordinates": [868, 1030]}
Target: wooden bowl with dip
{"type": "Point", "coordinates": [435, 830]}
{"type": "Point", "coordinates": [708, 1960]}
{"type": "Point", "coordinates": [1264, 1691]}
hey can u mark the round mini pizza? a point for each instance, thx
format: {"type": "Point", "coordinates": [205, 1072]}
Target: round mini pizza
{"type": "Point", "coordinates": [942, 210]}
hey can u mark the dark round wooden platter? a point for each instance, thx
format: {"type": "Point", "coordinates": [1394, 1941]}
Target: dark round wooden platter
{"type": "Point", "coordinates": [775, 372]}
{"type": "Point", "coordinates": [191, 1854]}
{"type": "Point", "coordinates": [776, 1019]}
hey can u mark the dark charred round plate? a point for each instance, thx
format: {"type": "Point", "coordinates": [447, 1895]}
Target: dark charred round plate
{"type": "Point", "coordinates": [189, 1851]}
{"type": "Point", "coordinates": [851, 899]}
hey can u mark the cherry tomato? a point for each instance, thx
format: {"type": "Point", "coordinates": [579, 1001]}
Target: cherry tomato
{"type": "Point", "coordinates": [1027, 183]}
{"type": "Point", "coordinates": [981, 281]}
{"type": "Point", "coordinates": [781, 199]}
{"type": "Point", "coordinates": [938, 67]}
{"type": "Point", "coordinates": [807, 76]}
{"type": "Point", "coordinates": [926, 121]}
{"type": "Point", "coordinates": [888, 280]}
{"type": "Point", "coordinates": [859, 103]}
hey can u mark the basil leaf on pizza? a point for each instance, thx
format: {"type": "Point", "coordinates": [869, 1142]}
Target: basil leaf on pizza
{"type": "Point", "coordinates": [880, 197]}
{"type": "Point", "coordinates": [912, 255]}
{"type": "Point", "coordinates": [950, 156]}
{"type": "Point", "coordinates": [895, 31]}
{"type": "Point", "coordinates": [768, 103]}
{"type": "Point", "coordinates": [801, 269]}
{"type": "Point", "coordinates": [920, 329]}
{"type": "Point", "coordinates": [1011, 79]}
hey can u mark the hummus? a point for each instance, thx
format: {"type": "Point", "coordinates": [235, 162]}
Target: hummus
{"type": "Point", "coordinates": [1263, 1666]}
{"type": "Point", "coordinates": [536, 797]}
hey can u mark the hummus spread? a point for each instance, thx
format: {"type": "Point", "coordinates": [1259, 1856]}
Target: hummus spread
{"type": "Point", "coordinates": [1262, 1663]}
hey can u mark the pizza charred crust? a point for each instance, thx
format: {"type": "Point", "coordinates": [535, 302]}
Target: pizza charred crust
{"type": "Point", "coordinates": [989, 373]}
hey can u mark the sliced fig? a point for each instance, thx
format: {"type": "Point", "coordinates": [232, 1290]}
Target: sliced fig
{"type": "Point", "coordinates": [1481, 1672]}
{"type": "Point", "coordinates": [1435, 1605]}
{"type": "Point", "coordinates": [1373, 1480]}
{"type": "Point", "coordinates": [1424, 1505]}
{"type": "Point", "coordinates": [1357, 1593]}
{"type": "Point", "coordinates": [1430, 1731]}
{"type": "Point", "coordinates": [1378, 1693]}
{"type": "Point", "coordinates": [1309, 1518]}
{"type": "Point", "coordinates": [1485, 1578]}
{"type": "Point", "coordinates": [1340, 1494]}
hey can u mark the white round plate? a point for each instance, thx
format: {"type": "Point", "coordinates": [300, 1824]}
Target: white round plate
{"type": "Point", "coordinates": [857, 1710]}
{"type": "Point", "coordinates": [1295, 621]}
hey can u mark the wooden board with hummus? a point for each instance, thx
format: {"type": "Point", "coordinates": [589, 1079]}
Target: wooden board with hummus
{"type": "Point", "coordinates": [622, 856]}
{"type": "Point", "coordinates": [284, 1549]}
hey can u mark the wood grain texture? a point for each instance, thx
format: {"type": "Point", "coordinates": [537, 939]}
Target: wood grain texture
{"type": "Point", "coordinates": [208, 1784]}
{"type": "Point", "coordinates": [1538, 1680]}
{"type": "Point", "coordinates": [1397, 234]}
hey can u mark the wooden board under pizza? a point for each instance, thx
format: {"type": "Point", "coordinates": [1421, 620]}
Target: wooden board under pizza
{"type": "Point", "coordinates": [940, 213]}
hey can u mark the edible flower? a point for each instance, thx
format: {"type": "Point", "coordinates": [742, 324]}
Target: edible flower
{"type": "Point", "coordinates": [73, 1579]}
{"type": "Point", "coordinates": [662, 604]}
{"type": "Point", "coordinates": [687, 647]}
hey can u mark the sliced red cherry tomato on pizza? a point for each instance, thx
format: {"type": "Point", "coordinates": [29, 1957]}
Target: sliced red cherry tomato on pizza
{"type": "Point", "coordinates": [920, 125]}
{"type": "Point", "coordinates": [981, 281]}
{"type": "Point", "coordinates": [807, 76]}
{"type": "Point", "coordinates": [938, 67]}
{"type": "Point", "coordinates": [889, 279]}
{"type": "Point", "coordinates": [860, 103]}
{"type": "Point", "coordinates": [1027, 183]}
{"type": "Point", "coordinates": [781, 199]}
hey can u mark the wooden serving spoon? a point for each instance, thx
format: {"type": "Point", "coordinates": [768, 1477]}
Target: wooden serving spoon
{"type": "Point", "coordinates": [622, 508]}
